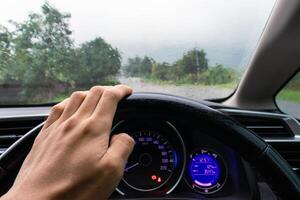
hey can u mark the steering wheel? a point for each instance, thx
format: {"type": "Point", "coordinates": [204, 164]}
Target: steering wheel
{"type": "Point", "coordinates": [250, 146]}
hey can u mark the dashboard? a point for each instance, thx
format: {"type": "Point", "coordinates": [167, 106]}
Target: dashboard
{"type": "Point", "coordinates": [171, 158]}
{"type": "Point", "coordinates": [177, 158]}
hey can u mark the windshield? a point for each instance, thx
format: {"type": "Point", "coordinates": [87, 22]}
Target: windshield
{"type": "Point", "coordinates": [193, 48]}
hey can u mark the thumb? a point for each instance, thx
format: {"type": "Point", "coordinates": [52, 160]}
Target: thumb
{"type": "Point", "coordinates": [114, 160]}
{"type": "Point", "coordinates": [121, 146]}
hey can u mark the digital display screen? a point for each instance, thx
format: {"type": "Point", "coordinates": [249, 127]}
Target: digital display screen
{"type": "Point", "coordinates": [204, 170]}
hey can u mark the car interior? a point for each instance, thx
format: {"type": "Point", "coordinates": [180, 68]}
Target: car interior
{"type": "Point", "coordinates": [239, 147]}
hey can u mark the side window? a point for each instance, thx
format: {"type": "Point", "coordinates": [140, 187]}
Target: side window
{"type": "Point", "coordinates": [288, 99]}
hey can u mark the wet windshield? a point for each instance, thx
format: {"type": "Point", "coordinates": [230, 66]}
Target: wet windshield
{"type": "Point", "coordinates": [193, 48]}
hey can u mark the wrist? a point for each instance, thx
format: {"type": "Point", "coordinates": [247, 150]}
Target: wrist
{"type": "Point", "coordinates": [9, 196]}
{"type": "Point", "coordinates": [13, 194]}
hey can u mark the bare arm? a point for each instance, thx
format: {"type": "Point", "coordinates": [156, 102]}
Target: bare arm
{"type": "Point", "coordinates": [71, 158]}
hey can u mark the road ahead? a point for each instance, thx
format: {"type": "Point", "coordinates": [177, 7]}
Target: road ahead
{"type": "Point", "coordinates": [190, 91]}
{"type": "Point", "coordinates": [197, 92]}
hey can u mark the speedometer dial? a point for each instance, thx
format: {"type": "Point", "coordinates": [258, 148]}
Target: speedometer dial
{"type": "Point", "coordinates": [151, 163]}
{"type": "Point", "coordinates": [157, 162]}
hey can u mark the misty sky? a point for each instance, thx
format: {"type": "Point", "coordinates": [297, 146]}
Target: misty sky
{"type": "Point", "coordinates": [227, 29]}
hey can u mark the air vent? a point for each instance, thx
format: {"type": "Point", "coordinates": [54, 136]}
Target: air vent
{"type": "Point", "coordinates": [14, 129]}
{"type": "Point", "coordinates": [280, 130]}
{"type": "Point", "coordinates": [265, 127]}
{"type": "Point", "coordinates": [289, 151]}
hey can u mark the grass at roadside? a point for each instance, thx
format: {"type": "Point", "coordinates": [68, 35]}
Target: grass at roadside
{"type": "Point", "coordinates": [289, 95]}
{"type": "Point", "coordinates": [231, 85]}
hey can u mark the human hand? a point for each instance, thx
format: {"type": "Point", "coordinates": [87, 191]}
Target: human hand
{"type": "Point", "coordinates": [72, 157]}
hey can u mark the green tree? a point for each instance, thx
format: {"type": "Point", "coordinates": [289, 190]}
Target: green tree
{"type": "Point", "coordinates": [139, 67]}
{"type": "Point", "coordinates": [220, 75]}
{"type": "Point", "coordinates": [42, 47]}
{"type": "Point", "coordinates": [40, 58]}
{"type": "Point", "coordinates": [97, 63]}
{"type": "Point", "coordinates": [146, 66]}
{"type": "Point", "coordinates": [161, 71]}
{"type": "Point", "coordinates": [132, 68]}
{"type": "Point", "coordinates": [5, 53]}
{"type": "Point", "coordinates": [193, 62]}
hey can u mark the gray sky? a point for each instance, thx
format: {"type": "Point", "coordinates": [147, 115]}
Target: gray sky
{"type": "Point", "coordinates": [227, 29]}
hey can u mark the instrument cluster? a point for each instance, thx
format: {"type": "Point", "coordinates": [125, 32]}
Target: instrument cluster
{"type": "Point", "coordinates": [162, 160]}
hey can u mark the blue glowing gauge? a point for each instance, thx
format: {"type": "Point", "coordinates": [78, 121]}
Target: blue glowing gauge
{"type": "Point", "coordinates": [206, 171]}
{"type": "Point", "coordinates": [157, 162]}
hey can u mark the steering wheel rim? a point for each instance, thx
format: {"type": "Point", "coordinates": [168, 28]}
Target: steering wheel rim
{"type": "Point", "coordinates": [249, 145]}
